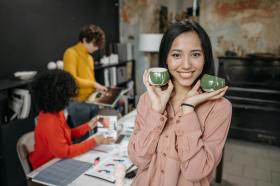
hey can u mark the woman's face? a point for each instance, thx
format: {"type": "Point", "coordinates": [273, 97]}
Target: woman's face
{"type": "Point", "coordinates": [185, 59]}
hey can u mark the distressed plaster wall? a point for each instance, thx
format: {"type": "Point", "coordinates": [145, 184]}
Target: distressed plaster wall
{"type": "Point", "coordinates": [243, 26]}
{"type": "Point", "coordinates": [137, 16]}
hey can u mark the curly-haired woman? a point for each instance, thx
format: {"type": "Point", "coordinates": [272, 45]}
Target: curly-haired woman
{"type": "Point", "coordinates": [52, 92]}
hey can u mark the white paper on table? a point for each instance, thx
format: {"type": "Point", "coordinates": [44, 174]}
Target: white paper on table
{"type": "Point", "coordinates": [108, 148]}
{"type": "Point", "coordinates": [91, 155]}
{"type": "Point", "coordinates": [128, 122]}
{"type": "Point", "coordinates": [128, 125]}
{"type": "Point", "coordinates": [106, 168]}
{"type": "Point", "coordinates": [108, 133]}
{"type": "Point", "coordinates": [124, 143]}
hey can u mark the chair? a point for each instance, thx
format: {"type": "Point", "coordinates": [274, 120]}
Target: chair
{"type": "Point", "coordinates": [25, 145]}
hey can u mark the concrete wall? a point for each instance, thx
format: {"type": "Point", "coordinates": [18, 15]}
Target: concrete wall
{"type": "Point", "coordinates": [243, 26]}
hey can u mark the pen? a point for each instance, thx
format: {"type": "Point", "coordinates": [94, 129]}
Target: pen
{"type": "Point", "coordinates": [104, 170]}
{"type": "Point", "coordinates": [119, 160]}
{"type": "Point", "coordinates": [96, 161]}
{"type": "Point", "coordinates": [100, 150]}
{"type": "Point", "coordinates": [109, 164]}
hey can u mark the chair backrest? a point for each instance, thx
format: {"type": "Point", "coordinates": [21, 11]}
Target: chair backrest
{"type": "Point", "coordinates": [25, 145]}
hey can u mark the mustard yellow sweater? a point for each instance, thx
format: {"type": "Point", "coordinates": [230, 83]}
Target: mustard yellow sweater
{"type": "Point", "coordinates": [80, 64]}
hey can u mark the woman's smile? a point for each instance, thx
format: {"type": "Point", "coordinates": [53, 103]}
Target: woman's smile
{"type": "Point", "coordinates": [185, 75]}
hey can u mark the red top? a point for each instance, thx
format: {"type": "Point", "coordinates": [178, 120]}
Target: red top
{"type": "Point", "coordinates": [53, 139]}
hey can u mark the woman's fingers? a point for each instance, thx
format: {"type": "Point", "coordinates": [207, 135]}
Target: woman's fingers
{"type": "Point", "coordinates": [217, 94]}
{"type": "Point", "coordinates": [200, 98]}
{"type": "Point", "coordinates": [170, 86]}
{"type": "Point", "coordinates": [150, 89]}
{"type": "Point", "coordinates": [157, 89]}
{"type": "Point", "coordinates": [109, 140]}
{"type": "Point", "coordinates": [145, 78]}
{"type": "Point", "coordinates": [166, 89]}
{"type": "Point", "coordinates": [105, 122]}
{"type": "Point", "coordinates": [196, 87]}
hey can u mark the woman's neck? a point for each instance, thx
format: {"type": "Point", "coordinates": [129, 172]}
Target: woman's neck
{"type": "Point", "coordinates": [179, 92]}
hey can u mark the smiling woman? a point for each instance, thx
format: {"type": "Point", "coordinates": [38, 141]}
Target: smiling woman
{"type": "Point", "coordinates": [179, 131]}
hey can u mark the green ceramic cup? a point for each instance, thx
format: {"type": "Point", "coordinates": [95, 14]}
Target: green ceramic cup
{"type": "Point", "coordinates": [158, 76]}
{"type": "Point", "coordinates": [210, 83]}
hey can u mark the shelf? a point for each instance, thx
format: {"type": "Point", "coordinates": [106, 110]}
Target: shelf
{"type": "Point", "coordinates": [123, 83]}
{"type": "Point", "coordinates": [12, 83]}
{"type": "Point", "coordinates": [122, 63]}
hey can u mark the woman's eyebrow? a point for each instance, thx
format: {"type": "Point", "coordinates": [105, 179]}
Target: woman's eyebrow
{"type": "Point", "coordinates": [196, 50]}
{"type": "Point", "coordinates": [176, 50]}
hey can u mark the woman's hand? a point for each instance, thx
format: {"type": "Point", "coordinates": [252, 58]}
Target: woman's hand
{"type": "Point", "coordinates": [101, 139]}
{"type": "Point", "coordinates": [104, 121]}
{"type": "Point", "coordinates": [196, 97]}
{"type": "Point", "coordinates": [100, 88]}
{"type": "Point", "coordinates": [157, 95]}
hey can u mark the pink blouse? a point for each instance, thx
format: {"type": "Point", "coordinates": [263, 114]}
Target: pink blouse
{"type": "Point", "coordinates": [172, 149]}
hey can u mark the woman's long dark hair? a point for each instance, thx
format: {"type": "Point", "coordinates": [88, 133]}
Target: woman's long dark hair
{"type": "Point", "coordinates": [181, 27]}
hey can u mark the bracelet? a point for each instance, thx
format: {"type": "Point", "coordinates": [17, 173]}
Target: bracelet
{"type": "Point", "coordinates": [186, 104]}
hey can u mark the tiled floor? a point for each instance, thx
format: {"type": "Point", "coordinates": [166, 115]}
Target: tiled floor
{"type": "Point", "coordinates": [250, 164]}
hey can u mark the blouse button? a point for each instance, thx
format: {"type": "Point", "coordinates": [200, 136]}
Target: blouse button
{"type": "Point", "coordinates": [177, 121]}
{"type": "Point", "coordinates": [166, 136]}
{"type": "Point", "coordinates": [164, 154]}
{"type": "Point", "coordinates": [171, 118]}
{"type": "Point", "coordinates": [162, 171]}
{"type": "Point", "coordinates": [179, 132]}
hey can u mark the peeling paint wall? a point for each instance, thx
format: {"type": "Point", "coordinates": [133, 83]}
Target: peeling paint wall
{"type": "Point", "coordinates": [138, 16]}
{"type": "Point", "coordinates": [242, 26]}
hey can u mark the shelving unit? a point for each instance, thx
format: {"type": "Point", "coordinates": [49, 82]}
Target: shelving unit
{"type": "Point", "coordinates": [10, 132]}
{"type": "Point", "coordinates": [122, 63]}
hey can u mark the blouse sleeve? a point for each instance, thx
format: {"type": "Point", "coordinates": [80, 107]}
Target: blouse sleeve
{"type": "Point", "coordinates": [80, 130]}
{"type": "Point", "coordinates": [200, 151]}
{"type": "Point", "coordinates": [70, 65]}
{"type": "Point", "coordinates": [148, 127]}
{"type": "Point", "coordinates": [59, 145]}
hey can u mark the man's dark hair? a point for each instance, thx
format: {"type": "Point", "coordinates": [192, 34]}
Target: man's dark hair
{"type": "Point", "coordinates": [53, 89]}
{"type": "Point", "coordinates": [181, 27]}
{"type": "Point", "coordinates": [93, 33]}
